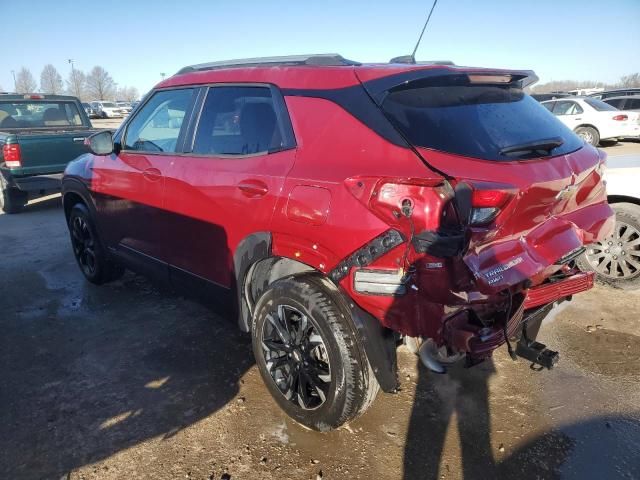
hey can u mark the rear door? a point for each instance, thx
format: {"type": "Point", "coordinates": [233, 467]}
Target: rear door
{"type": "Point", "coordinates": [537, 189]}
{"type": "Point", "coordinates": [569, 112]}
{"type": "Point", "coordinates": [226, 186]}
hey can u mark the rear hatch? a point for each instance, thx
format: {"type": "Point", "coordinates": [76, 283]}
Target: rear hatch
{"type": "Point", "coordinates": [537, 194]}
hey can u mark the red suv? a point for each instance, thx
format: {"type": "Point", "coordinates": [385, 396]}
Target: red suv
{"type": "Point", "coordinates": [344, 208]}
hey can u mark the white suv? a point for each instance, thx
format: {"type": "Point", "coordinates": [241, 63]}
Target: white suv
{"type": "Point", "coordinates": [107, 109]}
{"type": "Point", "coordinates": [616, 260]}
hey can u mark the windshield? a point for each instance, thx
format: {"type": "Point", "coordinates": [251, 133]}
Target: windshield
{"type": "Point", "coordinates": [38, 114]}
{"type": "Point", "coordinates": [599, 105]}
{"type": "Point", "coordinates": [475, 120]}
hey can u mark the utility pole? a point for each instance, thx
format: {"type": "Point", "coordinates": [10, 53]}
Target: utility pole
{"type": "Point", "coordinates": [75, 80]}
{"type": "Point", "coordinates": [15, 85]}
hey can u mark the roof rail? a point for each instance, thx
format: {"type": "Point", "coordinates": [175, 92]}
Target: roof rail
{"type": "Point", "coordinates": [322, 59]}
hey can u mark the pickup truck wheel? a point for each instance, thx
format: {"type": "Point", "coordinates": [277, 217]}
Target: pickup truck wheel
{"type": "Point", "coordinates": [91, 256]}
{"type": "Point", "coordinates": [308, 355]}
{"type": "Point", "coordinates": [616, 259]}
{"type": "Point", "coordinates": [589, 135]}
{"type": "Point", "coordinates": [12, 200]}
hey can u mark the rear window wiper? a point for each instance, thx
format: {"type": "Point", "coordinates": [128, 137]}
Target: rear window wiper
{"type": "Point", "coordinates": [545, 145]}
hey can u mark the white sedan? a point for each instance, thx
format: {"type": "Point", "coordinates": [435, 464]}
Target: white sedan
{"type": "Point", "coordinates": [593, 120]}
{"type": "Point", "coordinates": [616, 259]}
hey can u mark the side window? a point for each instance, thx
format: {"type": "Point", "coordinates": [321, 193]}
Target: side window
{"type": "Point", "coordinates": [157, 126]}
{"type": "Point", "coordinates": [567, 108]}
{"type": "Point", "coordinates": [549, 105]}
{"type": "Point", "coordinates": [241, 120]}
{"type": "Point", "coordinates": [632, 104]}
{"type": "Point", "coordinates": [616, 102]}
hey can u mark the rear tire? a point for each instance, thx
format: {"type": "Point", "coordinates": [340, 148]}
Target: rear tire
{"type": "Point", "coordinates": [589, 135]}
{"type": "Point", "coordinates": [308, 354]}
{"type": "Point", "coordinates": [623, 271]}
{"type": "Point", "coordinates": [88, 250]}
{"type": "Point", "coordinates": [12, 200]}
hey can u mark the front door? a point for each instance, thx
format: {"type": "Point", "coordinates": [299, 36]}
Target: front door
{"type": "Point", "coordinates": [226, 187]}
{"type": "Point", "coordinates": [130, 183]}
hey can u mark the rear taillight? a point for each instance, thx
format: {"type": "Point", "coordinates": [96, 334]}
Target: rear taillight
{"type": "Point", "coordinates": [12, 155]}
{"type": "Point", "coordinates": [620, 118]}
{"type": "Point", "coordinates": [487, 201]}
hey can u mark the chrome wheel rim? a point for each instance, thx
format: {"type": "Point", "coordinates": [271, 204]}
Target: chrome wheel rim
{"type": "Point", "coordinates": [296, 357]}
{"type": "Point", "coordinates": [83, 245]}
{"type": "Point", "coordinates": [618, 256]}
{"type": "Point", "coordinates": [586, 136]}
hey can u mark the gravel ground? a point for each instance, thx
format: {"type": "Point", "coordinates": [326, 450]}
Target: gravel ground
{"type": "Point", "coordinates": [128, 381]}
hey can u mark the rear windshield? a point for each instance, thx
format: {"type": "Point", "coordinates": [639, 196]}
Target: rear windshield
{"type": "Point", "coordinates": [32, 114]}
{"type": "Point", "coordinates": [475, 120]}
{"type": "Point", "coordinates": [599, 105]}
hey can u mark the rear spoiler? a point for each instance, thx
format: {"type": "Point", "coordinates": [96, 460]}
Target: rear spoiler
{"type": "Point", "coordinates": [380, 87]}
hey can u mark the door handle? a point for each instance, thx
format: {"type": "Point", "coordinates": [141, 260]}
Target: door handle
{"type": "Point", "coordinates": [79, 139]}
{"type": "Point", "coordinates": [578, 118]}
{"type": "Point", "coordinates": [152, 174]}
{"type": "Point", "coordinates": [253, 188]}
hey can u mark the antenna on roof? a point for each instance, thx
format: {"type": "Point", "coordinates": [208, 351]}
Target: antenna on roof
{"type": "Point", "coordinates": [412, 58]}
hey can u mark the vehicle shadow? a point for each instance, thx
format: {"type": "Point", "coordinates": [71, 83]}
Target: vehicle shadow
{"type": "Point", "coordinates": [90, 371]}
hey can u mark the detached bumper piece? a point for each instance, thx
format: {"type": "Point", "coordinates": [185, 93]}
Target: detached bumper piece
{"type": "Point", "coordinates": [552, 291]}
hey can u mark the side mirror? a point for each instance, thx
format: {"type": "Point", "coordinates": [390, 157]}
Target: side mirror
{"type": "Point", "coordinates": [100, 143]}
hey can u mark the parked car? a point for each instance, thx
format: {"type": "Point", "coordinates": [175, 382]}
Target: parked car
{"type": "Point", "coordinates": [594, 120]}
{"type": "Point", "coordinates": [342, 206]}
{"type": "Point", "coordinates": [39, 135]}
{"type": "Point", "coordinates": [90, 111]}
{"type": "Point", "coordinates": [615, 93]}
{"type": "Point", "coordinates": [629, 102]}
{"type": "Point", "coordinates": [125, 107]}
{"type": "Point", "coordinates": [616, 259]}
{"type": "Point", "coordinates": [541, 97]}
{"type": "Point", "coordinates": [107, 109]}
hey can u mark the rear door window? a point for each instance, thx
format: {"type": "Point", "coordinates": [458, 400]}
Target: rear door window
{"type": "Point", "coordinates": [632, 104]}
{"type": "Point", "coordinates": [549, 105]}
{"type": "Point", "coordinates": [242, 120]}
{"type": "Point", "coordinates": [567, 108]}
{"type": "Point", "coordinates": [159, 125]}
{"type": "Point", "coordinates": [452, 115]}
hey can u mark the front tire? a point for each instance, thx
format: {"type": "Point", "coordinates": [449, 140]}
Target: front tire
{"type": "Point", "coordinates": [91, 256]}
{"type": "Point", "coordinates": [308, 355]}
{"type": "Point", "coordinates": [616, 259]}
{"type": "Point", "coordinates": [589, 134]}
{"type": "Point", "coordinates": [12, 200]}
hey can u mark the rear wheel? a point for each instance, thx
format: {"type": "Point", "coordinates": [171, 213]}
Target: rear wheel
{"type": "Point", "coordinates": [308, 355]}
{"type": "Point", "coordinates": [616, 259]}
{"type": "Point", "coordinates": [91, 256]}
{"type": "Point", "coordinates": [589, 135]}
{"type": "Point", "coordinates": [12, 200]}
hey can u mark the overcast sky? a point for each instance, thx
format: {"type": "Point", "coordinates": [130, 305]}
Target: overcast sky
{"type": "Point", "coordinates": [137, 40]}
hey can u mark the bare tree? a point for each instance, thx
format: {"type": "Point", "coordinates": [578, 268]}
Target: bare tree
{"type": "Point", "coordinates": [632, 80]}
{"type": "Point", "coordinates": [76, 84]}
{"type": "Point", "coordinates": [25, 82]}
{"type": "Point", "coordinates": [128, 94]}
{"type": "Point", "coordinates": [100, 84]}
{"type": "Point", "coordinates": [50, 80]}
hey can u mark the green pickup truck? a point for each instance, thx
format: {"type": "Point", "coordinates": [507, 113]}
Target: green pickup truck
{"type": "Point", "coordinates": [39, 136]}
